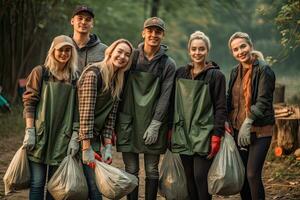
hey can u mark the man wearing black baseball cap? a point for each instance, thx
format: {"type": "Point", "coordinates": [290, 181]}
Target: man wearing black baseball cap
{"type": "Point", "coordinates": [89, 47]}
{"type": "Point", "coordinates": [90, 50]}
{"type": "Point", "coordinates": [142, 117]}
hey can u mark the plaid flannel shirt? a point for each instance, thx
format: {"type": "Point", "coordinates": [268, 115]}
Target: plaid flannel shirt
{"type": "Point", "coordinates": [87, 92]}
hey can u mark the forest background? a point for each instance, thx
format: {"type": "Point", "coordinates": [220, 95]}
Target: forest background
{"type": "Point", "coordinates": [28, 26]}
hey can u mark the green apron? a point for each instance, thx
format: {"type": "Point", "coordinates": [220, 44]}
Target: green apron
{"type": "Point", "coordinates": [193, 117]}
{"type": "Point", "coordinates": [103, 106]}
{"type": "Point", "coordinates": [53, 122]}
{"type": "Point", "coordinates": [137, 108]}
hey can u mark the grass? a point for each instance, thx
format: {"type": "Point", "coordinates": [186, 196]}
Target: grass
{"type": "Point", "coordinates": [12, 123]}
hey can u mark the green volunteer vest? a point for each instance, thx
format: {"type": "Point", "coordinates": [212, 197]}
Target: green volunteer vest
{"type": "Point", "coordinates": [193, 117]}
{"type": "Point", "coordinates": [53, 122]}
{"type": "Point", "coordinates": [137, 108]}
{"type": "Point", "coordinates": [103, 106]}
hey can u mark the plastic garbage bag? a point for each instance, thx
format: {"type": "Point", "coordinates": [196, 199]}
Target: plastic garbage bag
{"type": "Point", "coordinates": [172, 181]}
{"type": "Point", "coordinates": [112, 182]}
{"type": "Point", "coordinates": [68, 181]}
{"type": "Point", "coordinates": [17, 175]}
{"type": "Point", "coordinates": [226, 174]}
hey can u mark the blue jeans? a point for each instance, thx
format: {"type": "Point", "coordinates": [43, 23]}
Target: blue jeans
{"type": "Point", "coordinates": [89, 174]}
{"type": "Point", "coordinates": [38, 179]}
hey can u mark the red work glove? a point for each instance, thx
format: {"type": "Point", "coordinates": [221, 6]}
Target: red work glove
{"type": "Point", "coordinates": [214, 146]}
{"type": "Point", "coordinates": [93, 164]}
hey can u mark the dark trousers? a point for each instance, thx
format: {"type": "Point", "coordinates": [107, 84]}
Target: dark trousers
{"type": "Point", "coordinates": [196, 169]}
{"type": "Point", "coordinates": [132, 164]}
{"type": "Point", "coordinates": [253, 157]}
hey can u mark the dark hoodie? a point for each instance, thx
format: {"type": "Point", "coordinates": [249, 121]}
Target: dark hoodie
{"type": "Point", "coordinates": [217, 85]}
{"type": "Point", "coordinates": [152, 66]}
{"type": "Point", "coordinates": [92, 52]}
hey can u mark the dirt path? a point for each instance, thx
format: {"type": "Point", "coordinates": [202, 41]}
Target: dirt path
{"type": "Point", "coordinates": [281, 176]}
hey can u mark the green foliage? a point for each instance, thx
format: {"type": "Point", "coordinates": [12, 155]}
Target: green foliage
{"type": "Point", "coordinates": [288, 21]}
{"type": "Point", "coordinates": [12, 123]}
{"type": "Point", "coordinates": [124, 19]}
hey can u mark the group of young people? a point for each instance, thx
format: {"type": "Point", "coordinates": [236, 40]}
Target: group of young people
{"type": "Point", "coordinates": [85, 92]}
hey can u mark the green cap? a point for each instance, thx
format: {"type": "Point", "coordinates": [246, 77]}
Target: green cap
{"type": "Point", "coordinates": [155, 21]}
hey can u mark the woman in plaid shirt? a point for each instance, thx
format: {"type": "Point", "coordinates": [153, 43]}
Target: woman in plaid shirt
{"type": "Point", "coordinates": [99, 89]}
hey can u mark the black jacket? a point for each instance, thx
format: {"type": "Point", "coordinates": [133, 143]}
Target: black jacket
{"type": "Point", "coordinates": [263, 86]}
{"type": "Point", "coordinates": [217, 84]}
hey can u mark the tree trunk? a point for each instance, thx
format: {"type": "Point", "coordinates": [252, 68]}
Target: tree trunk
{"type": "Point", "coordinates": [279, 93]}
{"type": "Point", "coordinates": [287, 132]}
{"type": "Point", "coordinates": [154, 8]}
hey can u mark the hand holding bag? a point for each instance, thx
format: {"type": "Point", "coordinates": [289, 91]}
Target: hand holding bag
{"type": "Point", "coordinates": [227, 172]}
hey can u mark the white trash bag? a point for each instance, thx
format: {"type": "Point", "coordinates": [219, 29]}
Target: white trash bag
{"type": "Point", "coordinates": [68, 181]}
{"type": "Point", "coordinates": [112, 182]}
{"type": "Point", "coordinates": [227, 172]}
{"type": "Point", "coordinates": [172, 181]}
{"type": "Point", "coordinates": [17, 175]}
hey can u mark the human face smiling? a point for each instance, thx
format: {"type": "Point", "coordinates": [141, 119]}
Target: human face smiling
{"type": "Point", "coordinates": [153, 36]}
{"type": "Point", "coordinates": [241, 50]}
{"type": "Point", "coordinates": [63, 54]}
{"type": "Point", "coordinates": [82, 22]}
{"type": "Point", "coordinates": [198, 51]}
{"type": "Point", "coordinates": [120, 56]}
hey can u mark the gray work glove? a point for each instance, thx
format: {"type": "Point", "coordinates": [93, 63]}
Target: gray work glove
{"type": "Point", "coordinates": [107, 154]}
{"type": "Point", "coordinates": [244, 132]}
{"type": "Point", "coordinates": [151, 134]}
{"type": "Point", "coordinates": [29, 139]}
{"type": "Point", "coordinates": [88, 156]}
{"type": "Point", "coordinates": [73, 146]}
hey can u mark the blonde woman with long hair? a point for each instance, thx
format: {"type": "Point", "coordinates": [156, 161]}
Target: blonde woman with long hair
{"type": "Point", "coordinates": [250, 107]}
{"type": "Point", "coordinates": [99, 89]}
{"type": "Point", "coordinates": [199, 100]}
{"type": "Point", "coordinates": [50, 120]}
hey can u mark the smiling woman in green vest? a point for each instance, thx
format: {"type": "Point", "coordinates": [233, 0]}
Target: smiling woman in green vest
{"type": "Point", "coordinates": [50, 131]}
{"type": "Point", "coordinates": [99, 89]}
{"type": "Point", "coordinates": [199, 114]}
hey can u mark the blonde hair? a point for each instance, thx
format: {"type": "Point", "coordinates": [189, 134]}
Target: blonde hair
{"type": "Point", "coordinates": [70, 70]}
{"type": "Point", "coordinates": [256, 54]}
{"type": "Point", "coordinates": [199, 35]}
{"type": "Point", "coordinates": [112, 80]}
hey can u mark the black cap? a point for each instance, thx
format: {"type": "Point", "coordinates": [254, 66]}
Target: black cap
{"type": "Point", "coordinates": [82, 8]}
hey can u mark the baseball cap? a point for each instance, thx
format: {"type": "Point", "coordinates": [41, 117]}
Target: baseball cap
{"type": "Point", "coordinates": [155, 21]}
{"type": "Point", "coordinates": [61, 41]}
{"type": "Point", "coordinates": [82, 8]}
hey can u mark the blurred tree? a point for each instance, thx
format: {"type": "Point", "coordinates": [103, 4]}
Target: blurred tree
{"type": "Point", "coordinates": [28, 26]}
{"type": "Point", "coordinates": [25, 31]}
{"type": "Point", "coordinates": [288, 22]}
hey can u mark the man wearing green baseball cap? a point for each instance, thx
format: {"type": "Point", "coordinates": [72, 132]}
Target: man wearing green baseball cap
{"type": "Point", "coordinates": [142, 119]}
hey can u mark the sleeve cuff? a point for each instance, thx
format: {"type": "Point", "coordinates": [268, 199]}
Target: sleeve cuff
{"type": "Point", "coordinates": [85, 136]}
